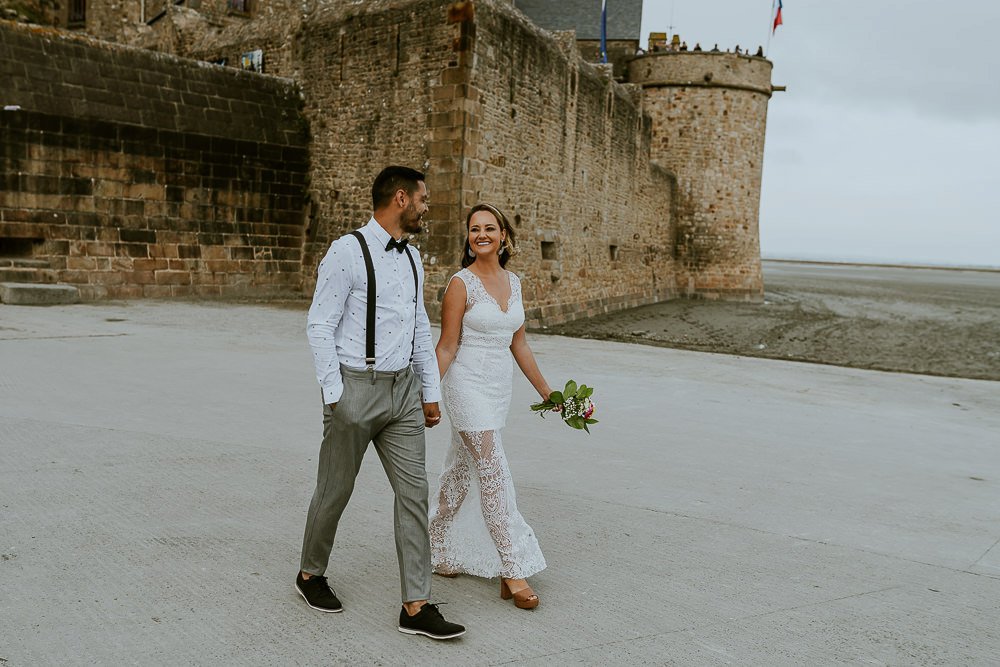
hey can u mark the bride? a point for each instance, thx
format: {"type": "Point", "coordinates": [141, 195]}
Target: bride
{"type": "Point", "coordinates": [475, 527]}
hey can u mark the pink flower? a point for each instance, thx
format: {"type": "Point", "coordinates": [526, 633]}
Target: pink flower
{"type": "Point", "coordinates": [589, 411]}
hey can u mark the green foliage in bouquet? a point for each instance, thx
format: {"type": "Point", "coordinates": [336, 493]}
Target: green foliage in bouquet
{"type": "Point", "coordinates": [572, 403]}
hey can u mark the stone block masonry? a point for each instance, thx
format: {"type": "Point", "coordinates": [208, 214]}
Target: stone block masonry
{"type": "Point", "coordinates": [565, 150]}
{"type": "Point", "coordinates": [387, 95]}
{"type": "Point", "coordinates": [384, 83]}
{"type": "Point", "coordinates": [493, 109]}
{"type": "Point", "coordinates": [132, 173]}
{"type": "Point", "coordinates": [620, 194]}
{"type": "Point", "coordinates": [623, 194]}
{"type": "Point", "coordinates": [708, 112]}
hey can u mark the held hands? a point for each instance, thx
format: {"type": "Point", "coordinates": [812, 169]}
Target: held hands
{"type": "Point", "coordinates": [432, 415]}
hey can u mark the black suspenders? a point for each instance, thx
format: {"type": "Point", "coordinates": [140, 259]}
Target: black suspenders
{"type": "Point", "coordinates": [370, 315]}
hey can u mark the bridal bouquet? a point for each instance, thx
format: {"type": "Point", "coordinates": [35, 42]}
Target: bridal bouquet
{"type": "Point", "coordinates": [572, 403]}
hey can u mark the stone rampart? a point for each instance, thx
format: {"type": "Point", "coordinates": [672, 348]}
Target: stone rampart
{"type": "Point", "coordinates": [132, 173]}
{"type": "Point", "coordinates": [709, 111]}
{"type": "Point", "coordinates": [620, 194]}
{"type": "Point", "coordinates": [492, 108]}
{"type": "Point", "coordinates": [565, 151]}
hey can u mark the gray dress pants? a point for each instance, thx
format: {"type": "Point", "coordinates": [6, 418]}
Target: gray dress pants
{"type": "Point", "coordinates": [388, 413]}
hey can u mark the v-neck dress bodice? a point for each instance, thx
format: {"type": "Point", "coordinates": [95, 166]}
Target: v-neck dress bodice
{"type": "Point", "coordinates": [485, 322]}
{"type": "Point", "coordinates": [477, 384]}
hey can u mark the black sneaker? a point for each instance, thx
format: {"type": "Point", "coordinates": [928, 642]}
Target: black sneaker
{"type": "Point", "coordinates": [430, 623]}
{"type": "Point", "coordinates": [318, 594]}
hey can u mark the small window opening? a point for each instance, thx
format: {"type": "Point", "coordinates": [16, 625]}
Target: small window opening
{"type": "Point", "coordinates": [77, 14]}
{"type": "Point", "coordinates": [17, 247]}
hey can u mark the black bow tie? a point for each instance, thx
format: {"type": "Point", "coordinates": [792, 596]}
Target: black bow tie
{"type": "Point", "coordinates": [398, 245]}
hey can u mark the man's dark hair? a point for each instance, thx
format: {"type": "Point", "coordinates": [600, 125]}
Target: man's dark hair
{"type": "Point", "coordinates": [392, 179]}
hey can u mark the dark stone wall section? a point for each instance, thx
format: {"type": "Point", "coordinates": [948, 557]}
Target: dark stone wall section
{"type": "Point", "coordinates": [71, 75]}
{"type": "Point", "coordinates": [131, 173]}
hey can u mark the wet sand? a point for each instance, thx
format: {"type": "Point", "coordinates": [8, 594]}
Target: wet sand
{"type": "Point", "coordinates": [913, 320]}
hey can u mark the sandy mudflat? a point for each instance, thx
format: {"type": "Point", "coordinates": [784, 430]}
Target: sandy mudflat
{"type": "Point", "coordinates": [932, 321]}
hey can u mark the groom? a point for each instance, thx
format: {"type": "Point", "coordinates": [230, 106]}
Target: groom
{"type": "Point", "coordinates": [371, 343]}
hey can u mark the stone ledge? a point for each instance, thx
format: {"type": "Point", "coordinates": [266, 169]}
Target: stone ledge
{"type": "Point", "coordinates": [23, 263]}
{"type": "Point", "coordinates": [28, 294]}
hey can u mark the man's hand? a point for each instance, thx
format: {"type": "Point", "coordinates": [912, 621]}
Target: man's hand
{"type": "Point", "coordinates": [432, 415]}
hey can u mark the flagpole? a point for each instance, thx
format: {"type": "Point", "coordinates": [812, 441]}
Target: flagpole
{"type": "Point", "coordinates": [604, 31]}
{"type": "Point", "coordinates": [767, 49]}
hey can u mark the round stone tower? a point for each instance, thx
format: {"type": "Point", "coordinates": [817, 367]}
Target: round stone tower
{"type": "Point", "coordinates": [709, 110]}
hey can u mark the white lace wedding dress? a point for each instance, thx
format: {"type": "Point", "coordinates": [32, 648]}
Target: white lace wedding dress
{"type": "Point", "coordinates": [475, 527]}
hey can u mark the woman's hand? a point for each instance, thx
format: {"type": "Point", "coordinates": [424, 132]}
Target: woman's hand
{"type": "Point", "coordinates": [432, 415]}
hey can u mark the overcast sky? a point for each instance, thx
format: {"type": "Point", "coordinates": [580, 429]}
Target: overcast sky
{"type": "Point", "coordinates": [886, 145]}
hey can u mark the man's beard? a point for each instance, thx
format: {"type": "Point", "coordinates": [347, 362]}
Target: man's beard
{"type": "Point", "coordinates": [410, 221]}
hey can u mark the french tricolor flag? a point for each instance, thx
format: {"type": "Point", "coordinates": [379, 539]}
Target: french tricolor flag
{"type": "Point", "coordinates": [604, 31]}
{"type": "Point", "coordinates": [777, 18]}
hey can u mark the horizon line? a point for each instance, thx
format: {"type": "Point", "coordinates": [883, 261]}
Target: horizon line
{"type": "Point", "coordinates": [886, 264]}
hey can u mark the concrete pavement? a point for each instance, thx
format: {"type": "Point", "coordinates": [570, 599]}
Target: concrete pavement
{"type": "Point", "coordinates": [157, 458]}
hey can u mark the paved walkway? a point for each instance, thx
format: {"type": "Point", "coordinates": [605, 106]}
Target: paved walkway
{"type": "Point", "coordinates": [156, 460]}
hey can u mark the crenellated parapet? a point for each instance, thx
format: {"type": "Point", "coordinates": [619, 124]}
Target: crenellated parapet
{"type": "Point", "coordinates": [702, 69]}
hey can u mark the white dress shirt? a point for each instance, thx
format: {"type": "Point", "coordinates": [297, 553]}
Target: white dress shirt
{"type": "Point", "coordinates": [336, 325]}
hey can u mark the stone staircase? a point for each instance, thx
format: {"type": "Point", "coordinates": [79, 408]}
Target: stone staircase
{"type": "Point", "coordinates": [26, 281]}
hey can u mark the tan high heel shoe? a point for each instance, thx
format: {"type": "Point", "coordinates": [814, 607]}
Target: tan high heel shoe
{"type": "Point", "coordinates": [523, 599]}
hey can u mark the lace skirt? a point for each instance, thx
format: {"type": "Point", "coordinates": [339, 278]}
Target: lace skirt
{"type": "Point", "coordinates": [475, 526]}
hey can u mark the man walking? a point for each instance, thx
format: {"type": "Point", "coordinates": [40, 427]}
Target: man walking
{"type": "Point", "coordinates": [371, 344]}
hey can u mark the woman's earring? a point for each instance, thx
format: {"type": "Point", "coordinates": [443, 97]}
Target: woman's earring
{"type": "Point", "coordinates": [471, 254]}
{"type": "Point", "coordinates": [503, 246]}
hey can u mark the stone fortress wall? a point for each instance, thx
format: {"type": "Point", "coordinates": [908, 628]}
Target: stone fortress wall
{"type": "Point", "coordinates": [709, 111]}
{"type": "Point", "coordinates": [565, 150]}
{"type": "Point", "coordinates": [619, 194]}
{"type": "Point", "coordinates": [494, 109]}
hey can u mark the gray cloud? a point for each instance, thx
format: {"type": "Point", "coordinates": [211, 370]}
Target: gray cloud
{"type": "Point", "coordinates": [885, 145]}
{"type": "Point", "coordinates": [935, 57]}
